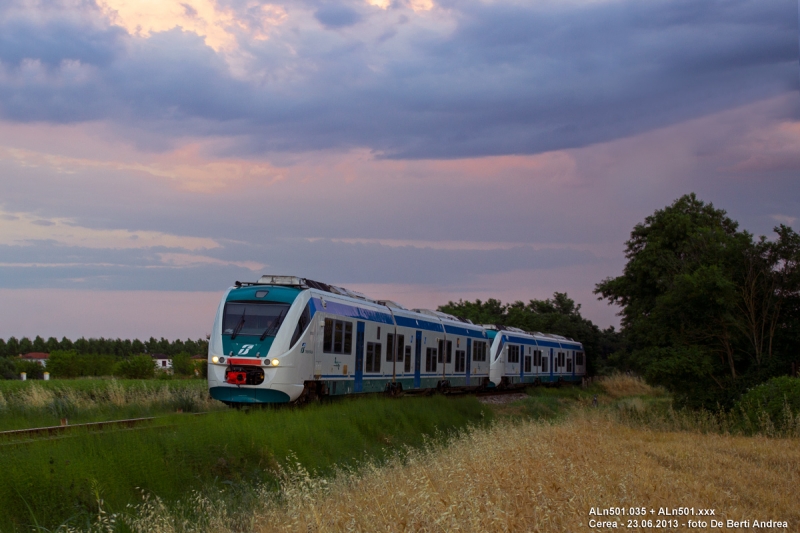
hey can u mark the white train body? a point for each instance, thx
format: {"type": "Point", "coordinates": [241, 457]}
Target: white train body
{"type": "Point", "coordinates": [281, 337]}
{"type": "Point", "coordinates": [520, 357]}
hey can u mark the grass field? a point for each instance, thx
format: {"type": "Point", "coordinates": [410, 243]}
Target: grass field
{"type": "Point", "coordinates": [25, 404]}
{"type": "Point", "coordinates": [372, 464]}
{"type": "Point", "coordinates": [52, 482]}
{"type": "Point", "coordinates": [549, 459]}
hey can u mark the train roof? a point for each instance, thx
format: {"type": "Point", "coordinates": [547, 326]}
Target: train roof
{"type": "Point", "coordinates": [535, 334]}
{"type": "Point", "coordinates": [305, 283]}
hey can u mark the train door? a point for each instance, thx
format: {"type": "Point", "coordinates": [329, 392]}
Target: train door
{"type": "Point", "coordinates": [358, 386]}
{"type": "Point", "coordinates": [571, 365]}
{"type": "Point", "coordinates": [417, 359]}
{"type": "Point", "coordinates": [529, 361]}
{"type": "Point", "coordinates": [469, 358]}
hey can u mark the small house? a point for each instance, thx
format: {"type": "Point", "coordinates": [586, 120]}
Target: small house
{"type": "Point", "coordinates": [38, 357]}
{"type": "Point", "coordinates": [162, 361]}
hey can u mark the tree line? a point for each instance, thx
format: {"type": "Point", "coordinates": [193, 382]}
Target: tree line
{"type": "Point", "coordinates": [118, 348]}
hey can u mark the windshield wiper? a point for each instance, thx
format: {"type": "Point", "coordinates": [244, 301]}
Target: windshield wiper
{"type": "Point", "coordinates": [274, 326]}
{"type": "Point", "coordinates": [238, 327]}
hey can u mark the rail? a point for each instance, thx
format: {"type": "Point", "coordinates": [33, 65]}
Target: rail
{"type": "Point", "coordinates": [54, 430]}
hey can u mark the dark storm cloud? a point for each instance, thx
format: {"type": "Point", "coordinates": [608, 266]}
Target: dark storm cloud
{"type": "Point", "coordinates": [52, 40]}
{"type": "Point", "coordinates": [507, 79]}
{"type": "Point", "coordinates": [337, 16]}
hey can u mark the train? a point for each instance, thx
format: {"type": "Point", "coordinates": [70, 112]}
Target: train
{"type": "Point", "coordinates": [287, 339]}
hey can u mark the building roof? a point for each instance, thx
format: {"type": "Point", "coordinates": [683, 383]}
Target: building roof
{"type": "Point", "coordinates": [36, 355]}
{"type": "Point", "coordinates": [160, 356]}
{"type": "Point", "coordinates": [200, 357]}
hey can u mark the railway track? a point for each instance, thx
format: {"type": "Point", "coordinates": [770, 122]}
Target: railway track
{"type": "Point", "coordinates": [18, 436]}
{"type": "Point", "coordinates": [51, 431]}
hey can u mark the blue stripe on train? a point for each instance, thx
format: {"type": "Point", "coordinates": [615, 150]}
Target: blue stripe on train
{"type": "Point", "coordinates": [352, 311]}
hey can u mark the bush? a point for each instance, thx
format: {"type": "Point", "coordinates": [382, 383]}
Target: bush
{"type": "Point", "coordinates": [7, 369]}
{"type": "Point", "coordinates": [33, 369]}
{"type": "Point", "coordinates": [182, 364]}
{"type": "Point", "coordinates": [136, 367]}
{"type": "Point", "coordinates": [771, 398]}
{"type": "Point", "coordinates": [71, 364]}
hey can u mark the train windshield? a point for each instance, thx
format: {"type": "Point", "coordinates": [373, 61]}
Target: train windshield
{"type": "Point", "coordinates": [262, 319]}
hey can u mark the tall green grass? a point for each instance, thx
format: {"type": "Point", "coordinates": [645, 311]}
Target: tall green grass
{"type": "Point", "coordinates": [48, 483]}
{"type": "Point", "coordinates": [44, 403]}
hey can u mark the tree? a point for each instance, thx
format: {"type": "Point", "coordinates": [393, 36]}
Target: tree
{"type": "Point", "coordinates": [701, 302]}
{"type": "Point", "coordinates": [7, 368]}
{"type": "Point", "coordinates": [52, 345]}
{"type": "Point", "coordinates": [25, 345]}
{"type": "Point", "coordinates": [12, 347]}
{"type": "Point", "coordinates": [65, 344]}
{"type": "Point", "coordinates": [39, 345]}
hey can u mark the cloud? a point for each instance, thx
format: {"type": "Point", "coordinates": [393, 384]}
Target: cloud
{"type": "Point", "coordinates": [452, 80]}
{"type": "Point", "coordinates": [190, 260]}
{"type": "Point", "coordinates": [24, 228]}
{"type": "Point", "coordinates": [336, 16]}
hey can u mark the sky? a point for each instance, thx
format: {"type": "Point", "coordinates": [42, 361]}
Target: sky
{"type": "Point", "coordinates": [152, 152]}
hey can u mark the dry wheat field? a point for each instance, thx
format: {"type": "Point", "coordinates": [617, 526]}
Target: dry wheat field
{"type": "Point", "coordinates": [528, 476]}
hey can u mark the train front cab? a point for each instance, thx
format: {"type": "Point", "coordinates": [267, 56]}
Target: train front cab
{"type": "Point", "coordinates": [256, 332]}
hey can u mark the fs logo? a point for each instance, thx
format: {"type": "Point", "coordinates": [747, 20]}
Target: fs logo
{"type": "Point", "coordinates": [246, 348]}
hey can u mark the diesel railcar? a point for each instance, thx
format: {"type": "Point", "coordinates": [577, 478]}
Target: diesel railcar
{"type": "Point", "coordinates": [284, 338]}
{"type": "Point", "coordinates": [519, 357]}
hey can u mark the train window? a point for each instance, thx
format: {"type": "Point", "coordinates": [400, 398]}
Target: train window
{"type": "Point", "coordinates": [302, 324]}
{"type": "Point", "coordinates": [560, 359]}
{"type": "Point", "coordinates": [449, 352]}
{"type": "Point", "coordinates": [348, 337]}
{"type": "Point", "coordinates": [337, 337]}
{"type": "Point", "coordinates": [401, 341]}
{"type": "Point", "coordinates": [569, 365]}
{"type": "Point", "coordinates": [544, 364]}
{"type": "Point", "coordinates": [461, 361]}
{"type": "Point", "coordinates": [327, 336]}
{"type": "Point", "coordinates": [389, 347]}
{"type": "Point", "coordinates": [479, 351]}
{"type": "Point", "coordinates": [528, 363]}
{"type": "Point", "coordinates": [579, 358]}
{"type": "Point", "coordinates": [440, 343]}
{"type": "Point", "coordinates": [513, 353]}
{"type": "Point", "coordinates": [253, 318]}
{"type": "Point", "coordinates": [430, 360]}
{"type": "Point", "coordinates": [408, 359]}
{"type": "Point", "coordinates": [373, 358]}
{"type": "Point", "coordinates": [538, 354]}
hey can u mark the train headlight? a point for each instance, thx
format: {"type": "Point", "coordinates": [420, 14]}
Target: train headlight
{"type": "Point", "coordinates": [275, 362]}
{"type": "Point", "coordinates": [221, 359]}
{"type": "Point", "coordinates": [215, 359]}
{"type": "Point", "coordinates": [266, 362]}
